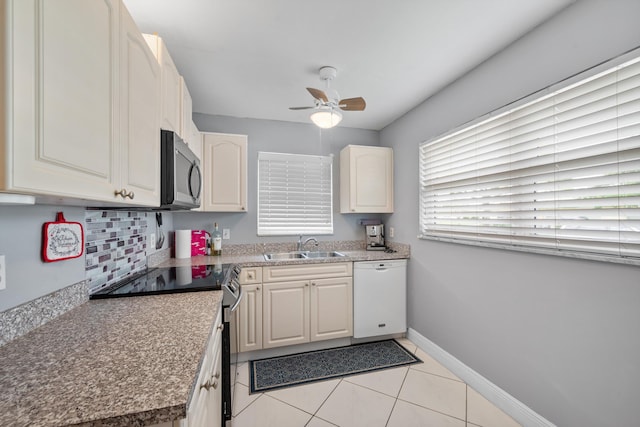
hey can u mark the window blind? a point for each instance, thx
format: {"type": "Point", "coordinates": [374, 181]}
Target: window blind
{"type": "Point", "coordinates": [560, 172]}
{"type": "Point", "coordinates": [294, 194]}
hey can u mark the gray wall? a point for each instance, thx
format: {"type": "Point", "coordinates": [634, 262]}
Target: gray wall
{"type": "Point", "coordinates": [282, 137]}
{"type": "Point", "coordinates": [561, 335]}
{"type": "Point", "coordinates": [28, 277]}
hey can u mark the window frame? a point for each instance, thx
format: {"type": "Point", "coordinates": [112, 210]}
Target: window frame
{"type": "Point", "coordinates": [550, 91]}
{"type": "Point", "coordinates": [322, 170]}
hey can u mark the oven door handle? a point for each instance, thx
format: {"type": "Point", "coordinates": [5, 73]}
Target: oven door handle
{"type": "Point", "coordinates": [235, 305]}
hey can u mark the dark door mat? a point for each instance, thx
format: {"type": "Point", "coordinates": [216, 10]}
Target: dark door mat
{"type": "Point", "coordinates": [303, 368]}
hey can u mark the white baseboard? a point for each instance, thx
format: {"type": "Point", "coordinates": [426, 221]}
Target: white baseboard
{"type": "Point", "coordinates": [500, 398]}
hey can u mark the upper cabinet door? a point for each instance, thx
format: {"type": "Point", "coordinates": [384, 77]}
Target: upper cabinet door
{"type": "Point", "coordinates": [139, 116]}
{"type": "Point", "coordinates": [63, 59]}
{"type": "Point", "coordinates": [187, 113]}
{"type": "Point", "coordinates": [170, 86]}
{"type": "Point", "coordinates": [366, 179]}
{"type": "Point", "coordinates": [225, 172]}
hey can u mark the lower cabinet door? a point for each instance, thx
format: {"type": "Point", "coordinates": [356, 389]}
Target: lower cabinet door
{"type": "Point", "coordinates": [331, 308]}
{"type": "Point", "coordinates": [286, 313]}
{"type": "Point", "coordinates": [250, 318]}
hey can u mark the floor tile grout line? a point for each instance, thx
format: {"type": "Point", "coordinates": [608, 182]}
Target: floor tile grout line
{"type": "Point", "coordinates": [395, 402]}
{"type": "Point", "coordinates": [250, 403]}
{"type": "Point", "coordinates": [325, 401]}
{"type": "Point", "coordinates": [431, 409]}
{"type": "Point", "coordinates": [436, 375]}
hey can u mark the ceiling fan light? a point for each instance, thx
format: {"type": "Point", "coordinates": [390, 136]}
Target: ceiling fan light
{"type": "Point", "coordinates": [326, 119]}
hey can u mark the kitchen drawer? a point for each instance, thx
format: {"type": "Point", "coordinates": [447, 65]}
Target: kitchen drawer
{"type": "Point", "coordinates": [250, 275]}
{"type": "Point", "coordinates": [283, 273]}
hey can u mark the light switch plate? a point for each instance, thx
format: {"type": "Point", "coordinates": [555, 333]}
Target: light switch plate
{"type": "Point", "coordinates": [152, 241]}
{"type": "Point", "coordinates": [226, 233]}
{"type": "Point", "coordinates": [391, 231]}
{"type": "Point", "coordinates": [3, 273]}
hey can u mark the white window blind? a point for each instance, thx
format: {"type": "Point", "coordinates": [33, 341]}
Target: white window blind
{"type": "Point", "coordinates": [294, 194]}
{"type": "Point", "coordinates": [560, 172]}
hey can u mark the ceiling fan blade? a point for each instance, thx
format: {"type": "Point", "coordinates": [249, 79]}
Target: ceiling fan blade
{"type": "Point", "coordinates": [301, 108]}
{"type": "Point", "coordinates": [352, 104]}
{"type": "Point", "coordinates": [318, 94]}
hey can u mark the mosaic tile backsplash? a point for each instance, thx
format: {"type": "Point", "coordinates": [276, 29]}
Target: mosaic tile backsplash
{"type": "Point", "coordinates": [116, 245]}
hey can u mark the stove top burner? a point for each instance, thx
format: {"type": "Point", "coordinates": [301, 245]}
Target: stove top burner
{"type": "Point", "coordinates": [169, 280]}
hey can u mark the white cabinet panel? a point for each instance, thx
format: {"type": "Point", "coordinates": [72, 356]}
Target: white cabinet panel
{"type": "Point", "coordinates": [139, 116]}
{"type": "Point", "coordinates": [250, 318]}
{"type": "Point", "coordinates": [170, 86]}
{"type": "Point", "coordinates": [81, 105]}
{"type": "Point", "coordinates": [331, 308]}
{"type": "Point", "coordinates": [286, 313]}
{"type": "Point", "coordinates": [225, 172]}
{"type": "Point", "coordinates": [366, 179]}
{"type": "Point", "coordinates": [63, 107]}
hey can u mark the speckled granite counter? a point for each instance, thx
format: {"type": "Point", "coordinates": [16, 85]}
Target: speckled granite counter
{"type": "Point", "coordinates": [257, 259]}
{"type": "Point", "coordinates": [112, 362]}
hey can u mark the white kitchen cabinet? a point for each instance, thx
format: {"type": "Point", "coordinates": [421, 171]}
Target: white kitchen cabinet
{"type": "Point", "coordinates": [195, 140]}
{"type": "Point", "coordinates": [139, 116]}
{"type": "Point", "coordinates": [186, 109]}
{"type": "Point", "coordinates": [250, 318]}
{"type": "Point", "coordinates": [286, 313]}
{"type": "Point", "coordinates": [67, 96]}
{"type": "Point", "coordinates": [249, 312]}
{"type": "Point", "coordinates": [331, 305]}
{"type": "Point", "coordinates": [170, 86]}
{"type": "Point", "coordinates": [225, 172]}
{"type": "Point", "coordinates": [310, 305]}
{"type": "Point", "coordinates": [205, 409]}
{"type": "Point", "coordinates": [366, 179]}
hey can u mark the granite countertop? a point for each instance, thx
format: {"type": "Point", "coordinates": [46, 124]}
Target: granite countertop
{"type": "Point", "coordinates": [110, 362]}
{"type": "Point", "coordinates": [256, 260]}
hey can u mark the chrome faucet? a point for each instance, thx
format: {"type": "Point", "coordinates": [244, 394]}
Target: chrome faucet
{"type": "Point", "coordinates": [301, 244]}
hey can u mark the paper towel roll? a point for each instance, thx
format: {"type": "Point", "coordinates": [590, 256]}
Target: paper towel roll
{"type": "Point", "coordinates": [183, 243]}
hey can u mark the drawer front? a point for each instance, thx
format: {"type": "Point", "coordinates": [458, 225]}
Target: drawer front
{"type": "Point", "coordinates": [280, 273]}
{"type": "Point", "coordinates": [250, 275]}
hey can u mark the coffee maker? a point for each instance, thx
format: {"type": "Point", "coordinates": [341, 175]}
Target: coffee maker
{"type": "Point", "coordinates": [375, 237]}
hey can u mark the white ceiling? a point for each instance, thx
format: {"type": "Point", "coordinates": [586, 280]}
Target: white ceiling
{"type": "Point", "coordinates": [254, 58]}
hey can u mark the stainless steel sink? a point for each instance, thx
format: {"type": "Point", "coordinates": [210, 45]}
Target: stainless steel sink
{"type": "Point", "coordinates": [324, 254]}
{"type": "Point", "coordinates": [282, 256]}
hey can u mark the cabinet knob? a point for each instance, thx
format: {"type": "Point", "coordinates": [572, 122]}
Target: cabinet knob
{"type": "Point", "coordinates": [215, 385]}
{"type": "Point", "coordinates": [221, 327]}
{"type": "Point", "coordinates": [131, 195]}
{"type": "Point", "coordinates": [258, 289]}
{"type": "Point", "coordinates": [216, 375]}
{"type": "Point", "coordinates": [313, 283]}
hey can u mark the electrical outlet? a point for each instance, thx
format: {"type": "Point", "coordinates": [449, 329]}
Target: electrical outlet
{"type": "Point", "coordinates": [152, 241]}
{"type": "Point", "coordinates": [226, 233]}
{"type": "Point", "coordinates": [391, 231]}
{"type": "Point", "coordinates": [3, 273]}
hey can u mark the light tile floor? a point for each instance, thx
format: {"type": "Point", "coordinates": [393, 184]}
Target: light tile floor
{"type": "Point", "coordinates": [425, 394]}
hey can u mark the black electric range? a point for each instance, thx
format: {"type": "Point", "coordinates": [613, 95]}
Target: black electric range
{"type": "Point", "coordinates": [168, 280]}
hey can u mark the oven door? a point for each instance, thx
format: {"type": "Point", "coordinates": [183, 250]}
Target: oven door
{"type": "Point", "coordinates": [229, 354]}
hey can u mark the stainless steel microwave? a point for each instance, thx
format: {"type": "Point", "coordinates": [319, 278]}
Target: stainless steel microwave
{"type": "Point", "coordinates": [180, 175]}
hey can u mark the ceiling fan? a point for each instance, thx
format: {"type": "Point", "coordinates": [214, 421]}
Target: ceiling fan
{"type": "Point", "coordinates": [328, 103]}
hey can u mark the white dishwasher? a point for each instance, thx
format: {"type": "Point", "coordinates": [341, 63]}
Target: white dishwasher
{"type": "Point", "coordinates": [379, 297]}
